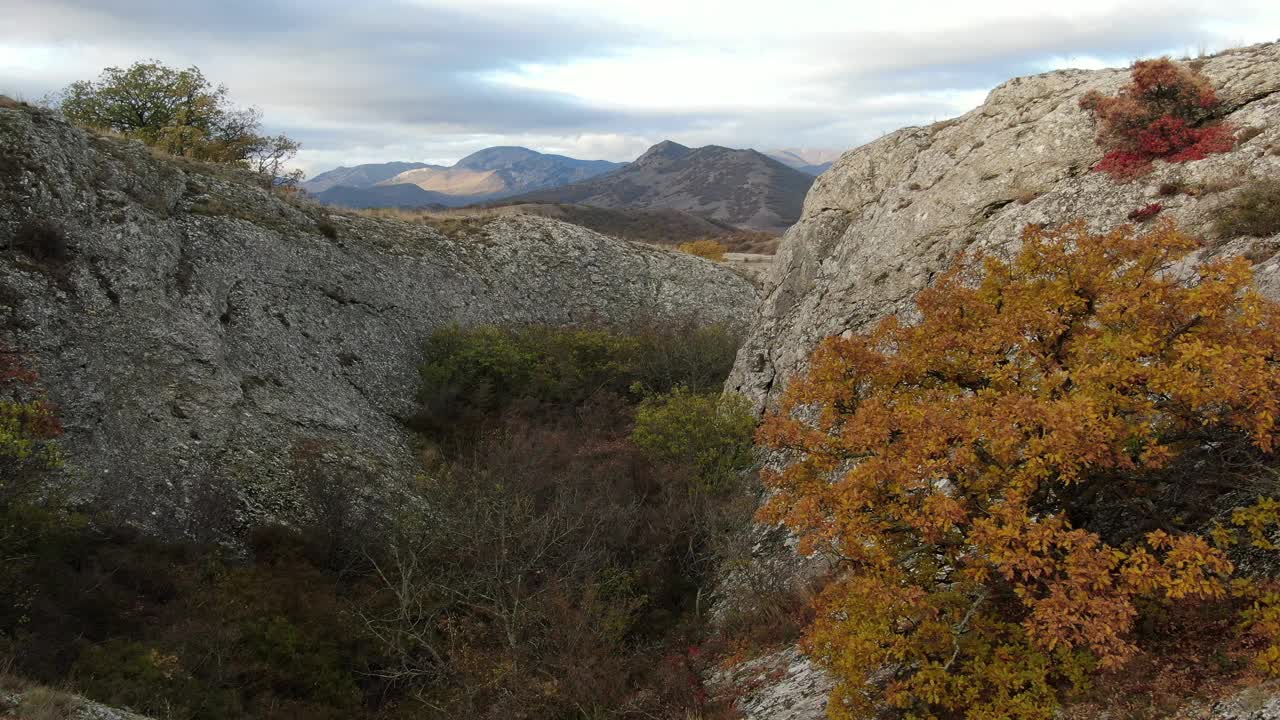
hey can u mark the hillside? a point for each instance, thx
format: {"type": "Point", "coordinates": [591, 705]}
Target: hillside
{"type": "Point", "coordinates": [360, 176]}
{"type": "Point", "coordinates": [193, 328]}
{"type": "Point", "coordinates": [382, 196]}
{"type": "Point", "coordinates": [484, 175]}
{"type": "Point", "coordinates": [890, 216]}
{"type": "Point", "coordinates": [742, 188]}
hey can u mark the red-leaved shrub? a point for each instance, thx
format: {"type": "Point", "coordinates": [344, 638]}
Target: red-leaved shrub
{"type": "Point", "coordinates": [1157, 117]}
{"type": "Point", "coordinates": [1147, 212]}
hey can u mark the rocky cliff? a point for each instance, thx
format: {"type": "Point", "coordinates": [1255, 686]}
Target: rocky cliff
{"type": "Point", "coordinates": [889, 216]}
{"type": "Point", "coordinates": [196, 329]}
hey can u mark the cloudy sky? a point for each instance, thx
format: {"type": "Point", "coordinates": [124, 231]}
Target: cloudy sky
{"type": "Point", "coordinates": [432, 80]}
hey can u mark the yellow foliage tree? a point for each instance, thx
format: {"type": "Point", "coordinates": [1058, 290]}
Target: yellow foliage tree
{"type": "Point", "coordinates": [939, 461]}
{"type": "Point", "coordinates": [712, 250]}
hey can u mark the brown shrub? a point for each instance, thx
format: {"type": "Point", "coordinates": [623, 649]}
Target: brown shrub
{"type": "Point", "coordinates": [1255, 211]}
{"type": "Point", "coordinates": [327, 229]}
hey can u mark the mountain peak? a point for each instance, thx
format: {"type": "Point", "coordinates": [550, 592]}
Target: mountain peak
{"type": "Point", "coordinates": [496, 157]}
{"type": "Point", "coordinates": [741, 188]}
{"type": "Point", "coordinates": [665, 150]}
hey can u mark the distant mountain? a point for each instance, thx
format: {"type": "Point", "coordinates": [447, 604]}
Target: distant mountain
{"type": "Point", "coordinates": [806, 160]}
{"type": "Point", "coordinates": [398, 196]}
{"type": "Point", "coordinates": [360, 176]}
{"type": "Point", "coordinates": [743, 188]}
{"type": "Point", "coordinates": [485, 175]}
{"type": "Point", "coordinates": [503, 171]}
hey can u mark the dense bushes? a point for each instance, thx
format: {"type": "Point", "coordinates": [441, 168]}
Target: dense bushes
{"type": "Point", "coordinates": [573, 541]}
{"type": "Point", "coordinates": [1159, 115]}
{"type": "Point", "coordinates": [709, 434]}
{"type": "Point", "coordinates": [555, 568]}
{"type": "Point", "coordinates": [471, 374]}
{"type": "Point", "coordinates": [1020, 481]}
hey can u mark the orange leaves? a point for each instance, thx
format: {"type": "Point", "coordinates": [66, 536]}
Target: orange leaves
{"type": "Point", "coordinates": [945, 461]}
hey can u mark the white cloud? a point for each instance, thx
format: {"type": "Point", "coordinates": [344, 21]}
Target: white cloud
{"type": "Point", "coordinates": [435, 80]}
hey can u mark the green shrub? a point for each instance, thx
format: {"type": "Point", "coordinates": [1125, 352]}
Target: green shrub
{"type": "Point", "coordinates": [708, 432]}
{"type": "Point", "coordinates": [1254, 212]}
{"type": "Point", "coordinates": [132, 675]}
{"type": "Point", "coordinates": [471, 373]}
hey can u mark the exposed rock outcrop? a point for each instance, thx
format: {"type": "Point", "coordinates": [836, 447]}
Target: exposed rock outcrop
{"type": "Point", "coordinates": [196, 329]}
{"type": "Point", "coordinates": [889, 216]}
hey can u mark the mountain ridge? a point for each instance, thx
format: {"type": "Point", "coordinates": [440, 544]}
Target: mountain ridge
{"type": "Point", "coordinates": [744, 188]}
{"type": "Point", "coordinates": [487, 174]}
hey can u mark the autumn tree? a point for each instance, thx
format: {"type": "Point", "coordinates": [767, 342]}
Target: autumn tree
{"type": "Point", "coordinates": [949, 465]}
{"type": "Point", "coordinates": [1160, 114]}
{"type": "Point", "coordinates": [180, 112]}
{"type": "Point", "coordinates": [712, 250]}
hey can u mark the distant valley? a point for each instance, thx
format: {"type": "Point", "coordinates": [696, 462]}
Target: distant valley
{"type": "Point", "coordinates": [712, 187]}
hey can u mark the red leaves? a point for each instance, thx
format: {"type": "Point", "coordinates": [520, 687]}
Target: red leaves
{"type": "Point", "coordinates": [1157, 117]}
{"type": "Point", "coordinates": [1207, 141]}
{"type": "Point", "coordinates": [1165, 136]}
{"type": "Point", "coordinates": [1123, 164]}
{"type": "Point", "coordinates": [1147, 212]}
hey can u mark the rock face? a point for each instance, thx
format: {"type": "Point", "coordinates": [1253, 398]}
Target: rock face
{"type": "Point", "coordinates": [196, 329]}
{"type": "Point", "coordinates": [743, 188]}
{"type": "Point", "coordinates": [890, 215]}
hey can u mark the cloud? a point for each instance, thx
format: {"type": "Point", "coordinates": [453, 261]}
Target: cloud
{"type": "Point", "coordinates": [419, 80]}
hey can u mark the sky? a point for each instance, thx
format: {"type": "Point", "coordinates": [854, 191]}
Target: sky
{"type": "Point", "coordinates": [433, 80]}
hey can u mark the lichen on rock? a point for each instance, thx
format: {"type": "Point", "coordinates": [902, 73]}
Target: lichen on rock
{"type": "Point", "coordinates": [195, 328]}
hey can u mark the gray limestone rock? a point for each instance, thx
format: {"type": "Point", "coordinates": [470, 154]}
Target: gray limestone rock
{"type": "Point", "coordinates": [195, 329]}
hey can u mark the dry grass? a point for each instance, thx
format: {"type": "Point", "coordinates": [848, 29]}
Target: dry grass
{"type": "Point", "coordinates": [1213, 187]}
{"type": "Point", "coordinates": [1023, 197]}
{"type": "Point", "coordinates": [42, 703]}
{"type": "Point", "coordinates": [1255, 212]}
{"type": "Point", "coordinates": [400, 214]}
{"type": "Point", "coordinates": [1244, 135]}
{"type": "Point", "coordinates": [12, 104]}
{"type": "Point", "coordinates": [13, 683]}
